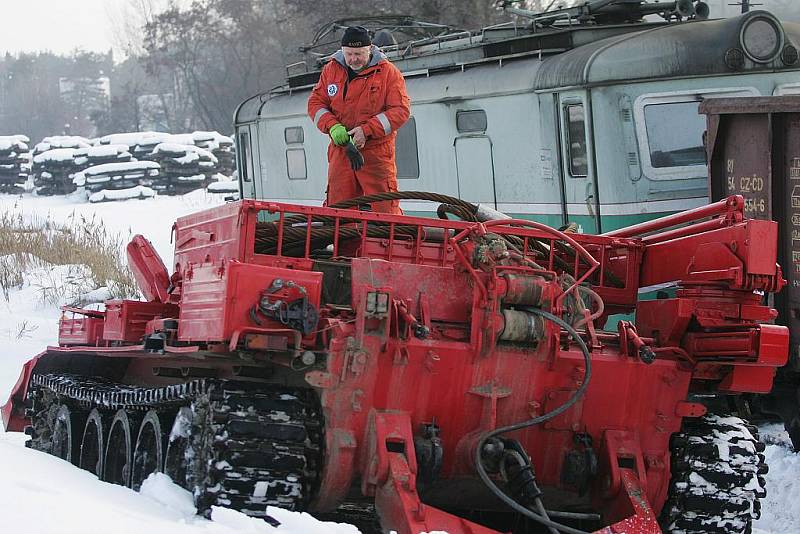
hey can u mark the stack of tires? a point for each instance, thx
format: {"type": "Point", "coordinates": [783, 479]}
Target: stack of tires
{"type": "Point", "coordinates": [101, 154]}
{"type": "Point", "coordinates": [119, 181]}
{"type": "Point", "coordinates": [184, 167]}
{"type": "Point", "coordinates": [54, 164]}
{"type": "Point", "coordinates": [222, 148]}
{"type": "Point", "coordinates": [169, 164]}
{"type": "Point", "coordinates": [144, 147]}
{"type": "Point", "coordinates": [14, 163]}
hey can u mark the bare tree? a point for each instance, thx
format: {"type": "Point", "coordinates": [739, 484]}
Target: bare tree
{"type": "Point", "coordinates": [41, 93]}
{"type": "Point", "coordinates": [218, 52]}
{"type": "Point", "coordinates": [127, 20]}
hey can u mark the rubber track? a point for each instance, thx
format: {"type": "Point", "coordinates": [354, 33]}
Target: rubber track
{"type": "Point", "coordinates": [253, 448]}
{"type": "Point", "coordinates": [717, 477]}
{"type": "Point", "coordinates": [249, 445]}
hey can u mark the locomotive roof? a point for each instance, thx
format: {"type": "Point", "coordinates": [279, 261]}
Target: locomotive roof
{"type": "Point", "coordinates": [566, 57]}
{"type": "Point", "coordinates": [692, 49]}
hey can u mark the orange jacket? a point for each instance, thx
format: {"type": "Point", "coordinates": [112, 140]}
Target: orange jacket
{"type": "Point", "coordinates": [375, 99]}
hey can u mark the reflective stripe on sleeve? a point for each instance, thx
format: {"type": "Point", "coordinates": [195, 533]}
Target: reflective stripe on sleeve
{"type": "Point", "coordinates": [384, 120]}
{"type": "Point", "coordinates": [318, 115]}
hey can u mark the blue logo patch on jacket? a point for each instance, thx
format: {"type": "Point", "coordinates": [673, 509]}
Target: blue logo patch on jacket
{"type": "Point", "coordinates": [332, 89]}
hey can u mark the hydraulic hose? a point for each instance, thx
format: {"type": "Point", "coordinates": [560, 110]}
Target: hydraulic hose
{"type": "Point", "coordinates": [597, 300]}
{"type": "Point", "coordinates": [535, 421]}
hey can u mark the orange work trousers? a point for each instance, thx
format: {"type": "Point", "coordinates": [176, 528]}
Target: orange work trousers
{"type": "Point", "coordinates": [378, 175]}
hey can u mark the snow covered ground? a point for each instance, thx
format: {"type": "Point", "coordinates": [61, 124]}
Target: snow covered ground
{"type": "Point", "coordinates": [780, 511]}
{"type": "Point", "coordinates": [41, 494]}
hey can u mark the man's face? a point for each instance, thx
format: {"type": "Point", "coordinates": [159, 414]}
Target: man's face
{"type": "Point", "coordinates": [356, 58]}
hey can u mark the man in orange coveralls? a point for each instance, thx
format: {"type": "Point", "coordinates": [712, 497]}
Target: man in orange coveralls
{"type": "Point", "coordinates": [360, 94]}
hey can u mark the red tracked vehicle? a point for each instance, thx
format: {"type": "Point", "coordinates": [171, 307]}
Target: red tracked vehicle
{"type": "Point", "coordinates": [449, 370]}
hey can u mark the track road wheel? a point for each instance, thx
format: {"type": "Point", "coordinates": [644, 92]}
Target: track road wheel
{"type": "Point", "coordinates": [43, 421]}
{"type": "Point", "coordinates": [148, 454]}
{"type": "Point", "coordinates": [56, 428]}
{"type": "Point", "coordinates": [716, 477]}
{"type": "Point", "coordinates": [66, 433]}
{"type": "Point", "coordinates": [93, 443]}
{"type": "Point", "coordinates": [119, 450]}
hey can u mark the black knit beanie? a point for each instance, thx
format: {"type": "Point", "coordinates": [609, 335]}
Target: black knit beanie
{"type": "Point", "coordinates": [356, 37]}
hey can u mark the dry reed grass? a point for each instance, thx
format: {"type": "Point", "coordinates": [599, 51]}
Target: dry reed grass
{"type": "Point", "coordinates": [97, 255]}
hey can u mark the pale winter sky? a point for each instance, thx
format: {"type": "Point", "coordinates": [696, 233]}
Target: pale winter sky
{"type": "Point", "coordinates": [61, 26]}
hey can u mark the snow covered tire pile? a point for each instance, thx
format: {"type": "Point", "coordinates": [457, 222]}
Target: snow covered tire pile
{"type": "Point", "coordinates": [717, 477]}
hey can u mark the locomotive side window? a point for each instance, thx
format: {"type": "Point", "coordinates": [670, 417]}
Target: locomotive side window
{"type": "Point", "coordinates": [669, 131]}
{"type": "Point", "coordinates": [293, 134]}
{"type": "Point", "coordinates": [674, 133]}
{"type": "Point", "coordinates": [576, 140]}
{"type": "Point", "coordinates": [471, 121]}
{"type": "Point", "coordinates": [406, 155]}
{"type": "Point", "coordinates": [296, 163]}
{"type": "Point", "coordinates": [244, 149]}
{"type": "Point", "coordinates": [295, 156]}
{"type": "Point", "coordinates": [787, 89]}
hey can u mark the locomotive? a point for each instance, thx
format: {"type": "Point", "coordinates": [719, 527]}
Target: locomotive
{"type": "Point", "coordinates": [453, 372]}
{"type": "Point", "coordinates": [586, 115]}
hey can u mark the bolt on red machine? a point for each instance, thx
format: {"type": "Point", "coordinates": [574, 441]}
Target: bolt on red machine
{"type": "Point", "coordinates": [453, 371]}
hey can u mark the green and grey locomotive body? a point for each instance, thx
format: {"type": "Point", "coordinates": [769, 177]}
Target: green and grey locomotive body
{"type": "Point", "coordinates": [587, 123]}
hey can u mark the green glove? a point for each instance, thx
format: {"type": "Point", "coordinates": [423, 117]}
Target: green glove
{"type": "Point", "coordinates": [339, 134]}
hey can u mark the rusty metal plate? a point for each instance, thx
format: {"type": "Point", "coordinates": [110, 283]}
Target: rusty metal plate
{"type": "Point", "coordinates": [746, 156]}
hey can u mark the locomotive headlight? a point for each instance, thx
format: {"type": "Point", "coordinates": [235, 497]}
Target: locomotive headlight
{"type": "Point", "coordinates": [761, 38]}
{"type": "Point", "coordinates": [789, 55]}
